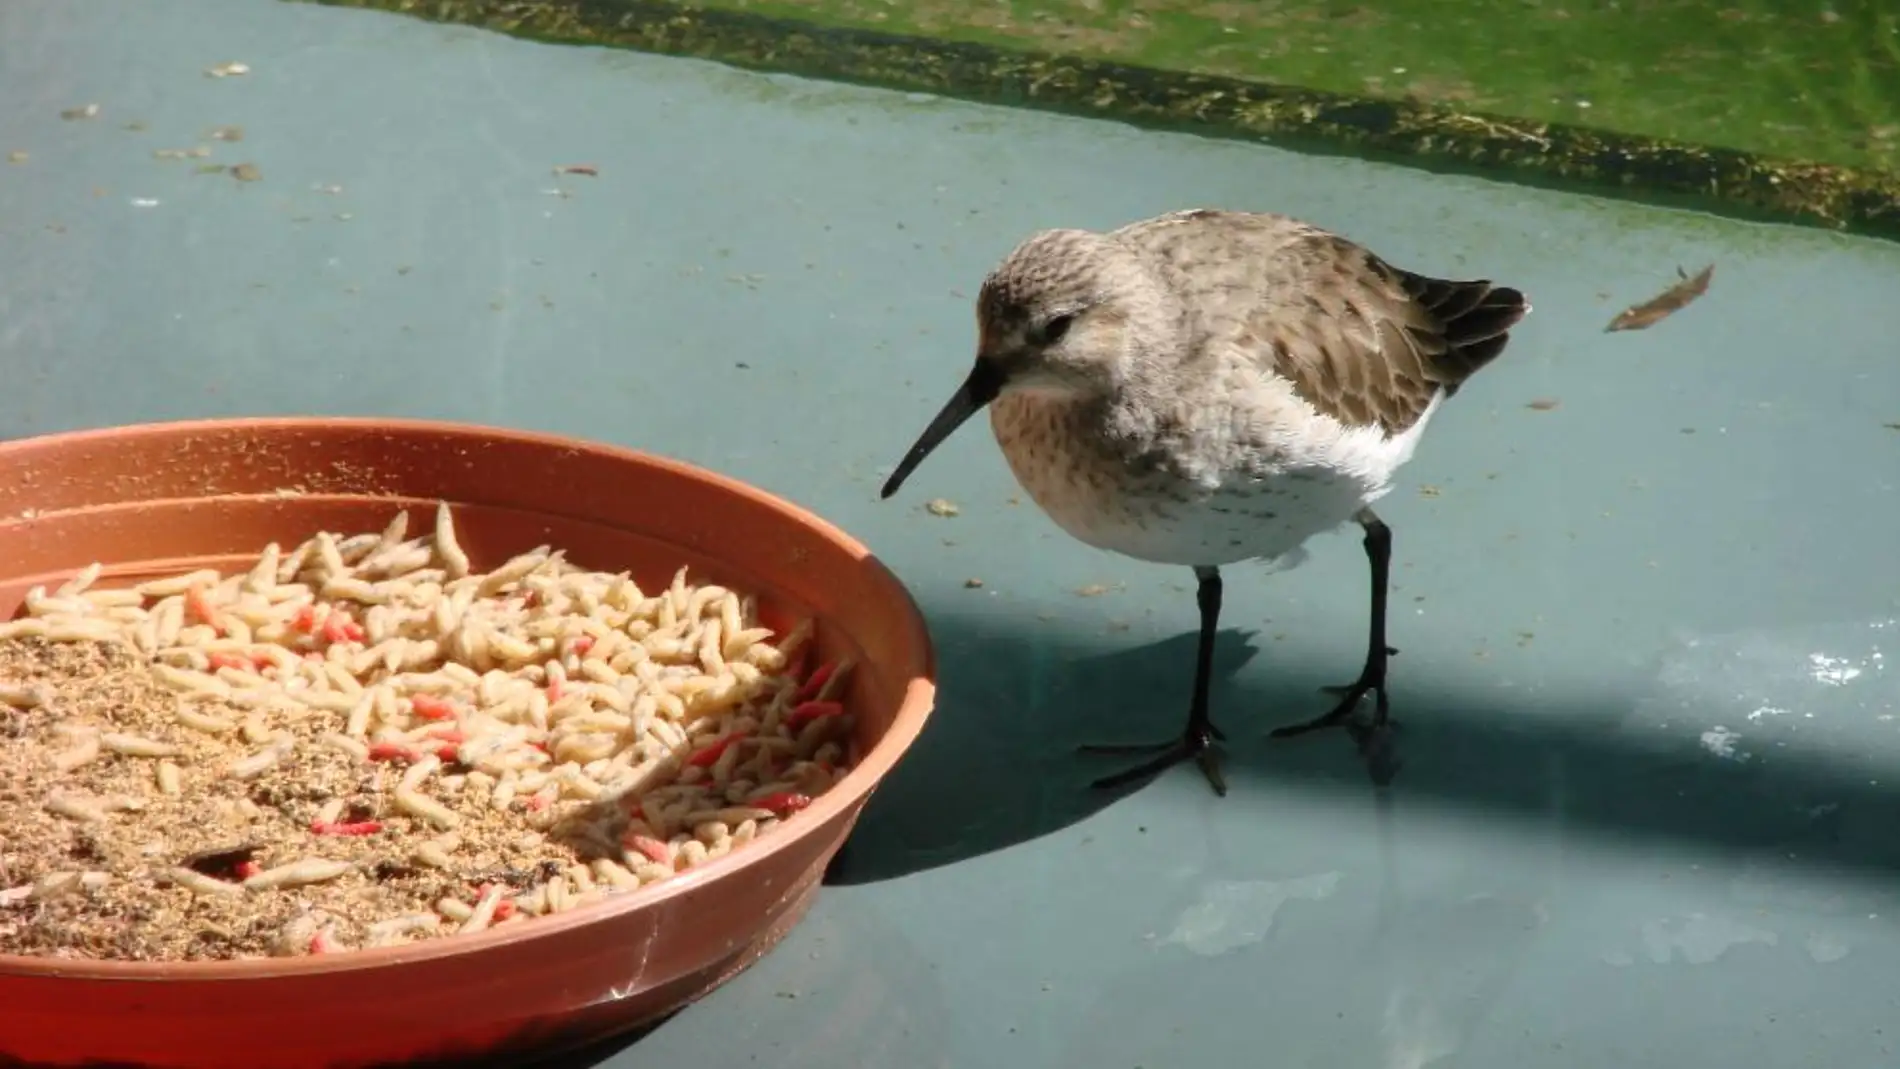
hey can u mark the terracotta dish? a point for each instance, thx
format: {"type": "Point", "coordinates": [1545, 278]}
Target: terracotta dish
{"type": "Point", "coordinates": [164, 498]}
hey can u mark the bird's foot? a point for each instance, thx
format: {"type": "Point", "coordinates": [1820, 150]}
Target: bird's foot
{"type": "Point", "coordinates": [1371, 681]}
{"type": "Point", "coordinates": [1197, 742]}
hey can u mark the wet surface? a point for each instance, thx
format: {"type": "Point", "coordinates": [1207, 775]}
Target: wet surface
{"type": "Point", "coordinates": [1645, 586]}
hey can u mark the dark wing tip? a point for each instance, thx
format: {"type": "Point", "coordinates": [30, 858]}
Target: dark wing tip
{"type": "Point", "coordinates": [1473, 316]}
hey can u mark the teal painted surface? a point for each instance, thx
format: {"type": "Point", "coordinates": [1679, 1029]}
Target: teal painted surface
{"type": "Point", "coordinates": [1652, 761]}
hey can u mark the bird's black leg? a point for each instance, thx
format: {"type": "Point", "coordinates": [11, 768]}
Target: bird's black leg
{"type": "Point", "coordinates": [1197, 741]}
{"type": "Point", "coordinates": [1378, 543]}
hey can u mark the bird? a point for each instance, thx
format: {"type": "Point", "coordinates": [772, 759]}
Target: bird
{"type": "Point", "coordinates": [1208, 387]}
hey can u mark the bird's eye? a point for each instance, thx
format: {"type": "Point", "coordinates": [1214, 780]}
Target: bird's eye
{"type": "Point", "coordinates": [1052, 331]}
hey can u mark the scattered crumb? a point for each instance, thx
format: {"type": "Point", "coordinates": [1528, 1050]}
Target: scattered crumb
{"type": "Point", "coordinates": [1429, 491]}
{"type": "Point", "coordinates": [1524, 637]}
{"type": "Point", "coordinates": [18, 156]}
{"type": "Point", "coordinates": [225, 133]}
{"type": "Point", "coordinates": [1691, 430]}
{"type": "Point", "coordinates": [135, 126]}
{"type": "Point", "coordinates": [87, 111]}
{"type": "Point", "coordinates": [1889, 426]}
{"type": "Point", "coordinates": [1119, 625]}
{"type": "Point", "coordinates": [209, 168]}
{"type": "Point", "coordinates": [1014, 500]}
{"type": "Point", "coordinates": [246, 172]}
{"type": "Point", "coordinates": [587, 169]}
{"type": "Point", "coordinates": [227, 70]}
{"type": "Point", "coordinates": [1093, 590]}
{"type": "Point", "coordinates": [196, 152]}
{"type": "Point", "coordinates": [1543, 404]}
{"type": "Point", "coordinates": [938, 506]}
{"type": "Point", "coordinates": [973, 584]}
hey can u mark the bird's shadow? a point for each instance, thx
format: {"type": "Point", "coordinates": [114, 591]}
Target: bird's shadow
{"type": "Point", "coordinates": [998, 764]}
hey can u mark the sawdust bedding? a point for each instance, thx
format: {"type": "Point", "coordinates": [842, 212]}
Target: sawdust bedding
{"type": "Point", "coordinates": [362, 741]}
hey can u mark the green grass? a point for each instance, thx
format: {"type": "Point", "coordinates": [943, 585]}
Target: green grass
{"type": "Point", "coordinates": [1813, 81]}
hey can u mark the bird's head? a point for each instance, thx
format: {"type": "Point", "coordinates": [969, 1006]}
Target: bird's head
{"type": "Point", "coordinates": [1067, 312]}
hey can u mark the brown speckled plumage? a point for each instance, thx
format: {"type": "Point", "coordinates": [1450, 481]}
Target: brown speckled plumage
{"type": "Point", "coordinates": [1360, 340]}
{"type": "Point", "coordinates": [1213, 362]}
{"type": "Point", "coordinates": [1208, 387]}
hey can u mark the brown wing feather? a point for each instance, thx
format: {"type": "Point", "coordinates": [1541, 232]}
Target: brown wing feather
{"type": "Point", "coordinates": [1360, 340]}
{"type": "Point", "coordinates": [1378, 342]}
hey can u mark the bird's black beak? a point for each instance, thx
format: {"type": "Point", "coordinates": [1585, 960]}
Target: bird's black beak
{"type": "Point", "coordinates": [980, 388]}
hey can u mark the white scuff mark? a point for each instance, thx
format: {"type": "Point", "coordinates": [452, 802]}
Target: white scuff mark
{"type": "Point", "coordinates": [1816, 685]}
{"type": "Point", "coordinates": [1720, 741]}
{"type": "Point", "coordinates": [1699, 939]}
{"type": "Point", "coordinates": [1834, 671]}
{"type": "Point", "coordinates": [1236, 913]}
{"type": "Point", "coordinates": [1416, 1032]}
{"type": "Point", "coordinates": [1824, 948]}
{"type": "Point", "coordinates": [144, 202]}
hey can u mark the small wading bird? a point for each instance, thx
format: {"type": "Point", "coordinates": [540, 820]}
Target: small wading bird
{"type": "Point", "coordinates": [1208, 387]}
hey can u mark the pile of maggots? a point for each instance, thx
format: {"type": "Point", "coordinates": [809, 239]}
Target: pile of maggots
{"type": "Point", "coordinates": [362, 742]}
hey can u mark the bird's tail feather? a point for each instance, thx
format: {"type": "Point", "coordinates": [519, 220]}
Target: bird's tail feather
{"type": "Point", "coordinates": [1476, 317]}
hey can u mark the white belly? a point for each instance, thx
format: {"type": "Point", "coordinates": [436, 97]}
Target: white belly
{"type": "Point", "coordinates": [1276, 494]}
{"type": "Point", "coordinates": [1267, 519]}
